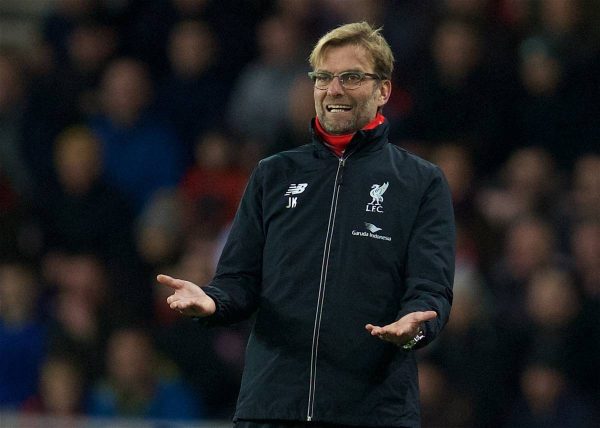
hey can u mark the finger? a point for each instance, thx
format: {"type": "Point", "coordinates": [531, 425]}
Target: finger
{"type": "Point", "coordinates": [169, 281]}
{"type": "Point", "coordinates": [397, 329]}
{"type": "Point", "coordinates": [178, 306]}
{"type": "Point", "coordinates": [172, 298]}
{"type": "Point", "coordinates": [373, 329]}
{"type": "Point", "coordinates": [425, 316]}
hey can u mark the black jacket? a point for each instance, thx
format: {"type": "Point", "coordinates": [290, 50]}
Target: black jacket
{"type": "Point", "coordinates": [318, 253]}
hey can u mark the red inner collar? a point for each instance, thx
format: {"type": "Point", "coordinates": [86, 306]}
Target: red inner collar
{"type": "Point", "coordinates": [338, 143]}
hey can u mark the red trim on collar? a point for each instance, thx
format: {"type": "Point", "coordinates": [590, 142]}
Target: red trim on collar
{"type": "Point", "coordinates": [378, 120]}
{"type": "Point", "coordinates": [338, 143]}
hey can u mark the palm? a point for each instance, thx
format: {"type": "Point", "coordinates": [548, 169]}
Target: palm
{"type": "Point", "coordinates": [403, 330]}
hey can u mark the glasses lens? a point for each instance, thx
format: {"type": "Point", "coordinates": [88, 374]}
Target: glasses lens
{"type": "Point", "coordinates": [348, 79]}
{"type": "Point", "coordinates": [351, 80]}
{"type": "Point", "coordinates": [322, 80]}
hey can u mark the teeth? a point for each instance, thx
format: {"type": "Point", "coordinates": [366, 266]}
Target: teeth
{"type": "Point", "coordinates": [338, 107]}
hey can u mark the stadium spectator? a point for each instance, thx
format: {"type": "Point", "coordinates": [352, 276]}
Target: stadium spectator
{"type": "Point", "coordinates": [442, 406]}
{"type": "Point", "coordinates": [13, 90]}
{"type": "Point", "coordinates": [528, 184]}
{"type": "Point", "coordinates": [547, 399]}
{"type": "Point", "coordinates": [548, 111]}
{"type": "Point", "coordinates": [472, 326]}
{"type": "Point", "coordinates": [60, 20]}
{"type": "Point", "coordinates": [585, 191]}
{"type": "Point", "coordinates": [82, 310]}
{"type": "Point", "coordinates": [146, 27]}
{"type": "Point", "coordinates": [579, 202]}
{"type": "Point", "coordinates": [16, 184]}
{"type": "Point", "coordinates": [570, 29]}
{"type": "Point", "coordinates": [160, 229]}
{"type": "Point", "coordinates": [212, 188]}
{"type": "Point", "coordinates": [82, 213]}
{"type": "Point", "coordinates": [530, 244]}
{"type": "Point", "coordinates": [141, 153]}
{"type": "Point", "coordinates": [258, 102]}
{"type": "Point", "coordinates": [453, 96]}
{"type": "Point", "coordinates": [136, 384]}
{"type": "Point", "coordinates": [62, 388]}
{"type": "Point", "coordinates": [585, 250]}
{"type": "Point", "coordinates": [333, 13]}
{"type": "Point", "coordinates": [23, 335]}
{"type": "Point", "coordinates": [65, 93]}
{"type": "Point", "coordinates": [299, 110]}
{"type": "Point", "coordinates": [194, 95]}
{"type": "Point", "coordinates": [560, 324]}
{"type": "Point", "coordinates": [10, 220]}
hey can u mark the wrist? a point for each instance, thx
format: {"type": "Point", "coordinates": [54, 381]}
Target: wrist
{"type": "Point", "coordinates": [413, 342]}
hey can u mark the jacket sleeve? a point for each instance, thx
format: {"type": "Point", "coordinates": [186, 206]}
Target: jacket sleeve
{"type": "Point", "coordinates": [430, 262]}
{"type": "Point", "coordinates": [237, 282]}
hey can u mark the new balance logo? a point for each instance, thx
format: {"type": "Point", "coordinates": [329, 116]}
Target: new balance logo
{"type": "Point", "coordinates": [294, 189]}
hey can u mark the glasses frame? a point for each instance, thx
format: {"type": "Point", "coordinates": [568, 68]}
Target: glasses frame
{"type": "Point", "coordinates": [313, 76]}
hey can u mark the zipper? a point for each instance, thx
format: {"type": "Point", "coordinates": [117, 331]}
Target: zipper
{"type": "Point", "coordinates": [326, 251]}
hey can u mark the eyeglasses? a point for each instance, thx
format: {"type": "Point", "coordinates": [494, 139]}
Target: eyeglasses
{"type": "Point", "coordinates": [348, 79]}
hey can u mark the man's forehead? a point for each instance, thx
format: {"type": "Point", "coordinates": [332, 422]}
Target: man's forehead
{"type": "Point", "coordinates": [346, 55]}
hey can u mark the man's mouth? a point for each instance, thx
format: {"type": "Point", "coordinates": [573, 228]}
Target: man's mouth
{"type": "Point", "coordinates": [337, 108]}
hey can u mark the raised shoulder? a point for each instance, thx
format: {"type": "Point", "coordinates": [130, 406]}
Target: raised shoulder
{"type": "Point", "coordinates": [410, 162]}
{"type": "Point", "coordinates": [298, 157]}
{"type": "Point", "coordinates": [408, 156]}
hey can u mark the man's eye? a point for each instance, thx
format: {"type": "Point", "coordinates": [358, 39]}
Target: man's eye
{"type": "Point", "coordinates": [351, 77]}
{"type": "Point", "coordinates": [322, 78]}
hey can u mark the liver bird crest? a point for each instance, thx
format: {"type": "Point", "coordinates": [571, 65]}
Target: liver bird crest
{"type": "Point", "coordinates": [377, 192]}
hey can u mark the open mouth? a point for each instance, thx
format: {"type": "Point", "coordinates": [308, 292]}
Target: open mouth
{"type": "Point", "coordinates": [336, 108]}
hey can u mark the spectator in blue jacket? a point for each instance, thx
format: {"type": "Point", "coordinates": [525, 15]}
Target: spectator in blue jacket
{"type": "Point", "coordinates": [136, 385]}
{"type": "Point", "coordinates": [141, 154]}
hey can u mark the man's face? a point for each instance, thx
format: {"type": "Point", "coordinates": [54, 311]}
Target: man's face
{"type": "Point", "coordinates": [341, 110]}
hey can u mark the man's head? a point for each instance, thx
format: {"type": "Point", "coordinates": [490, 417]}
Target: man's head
{"type": "Point", "coordinates": [126, 90]}
{"type": "Point", "coordinates": [77, 159]}
{"type": "Point", "coordinates": [345, 105]}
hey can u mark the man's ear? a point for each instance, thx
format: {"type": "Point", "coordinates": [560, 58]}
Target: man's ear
{"type": "Point", "coordinates": [385, 90]}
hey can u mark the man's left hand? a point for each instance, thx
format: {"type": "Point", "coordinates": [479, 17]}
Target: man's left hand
{"type": "Point", "coordinates": [403, 330]}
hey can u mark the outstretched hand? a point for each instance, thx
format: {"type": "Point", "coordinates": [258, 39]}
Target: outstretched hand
{"type": "Point", "coordinates": [403, 330]}
{"type": "Point", "coordinates": [188, 298]}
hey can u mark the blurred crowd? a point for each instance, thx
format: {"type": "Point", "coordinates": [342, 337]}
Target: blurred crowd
{"type": "Point", "coordinates": [127, 134]}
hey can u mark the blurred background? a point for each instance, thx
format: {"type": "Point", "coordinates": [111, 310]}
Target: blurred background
{"type": "Point", "coordinates": [128, 129]}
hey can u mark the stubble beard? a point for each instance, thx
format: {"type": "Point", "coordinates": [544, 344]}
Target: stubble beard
{"type": "Point", "coordinates": [339, 128]}
{"type": "Point", "coordinates": [350, 125]}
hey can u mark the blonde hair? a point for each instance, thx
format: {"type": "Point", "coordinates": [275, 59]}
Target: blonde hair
{"type": "Point", "coordinates": [360, 34]}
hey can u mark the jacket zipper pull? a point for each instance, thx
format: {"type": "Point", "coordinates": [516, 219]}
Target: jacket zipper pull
{"type": "Point", "coordinates": [340, 179]}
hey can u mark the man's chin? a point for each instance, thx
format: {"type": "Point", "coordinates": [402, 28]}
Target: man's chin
{"type": "Point", "coordinates": [338, 128]}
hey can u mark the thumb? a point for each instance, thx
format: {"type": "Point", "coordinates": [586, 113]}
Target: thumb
{"type": "Point", "coordinates": [425, 316]}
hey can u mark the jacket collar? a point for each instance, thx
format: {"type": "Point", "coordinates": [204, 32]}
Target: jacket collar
{"type": "Point", "coordinates": [364, 140]}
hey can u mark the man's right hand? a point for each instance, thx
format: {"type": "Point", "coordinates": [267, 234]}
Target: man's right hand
{"type": "Point", "coordinates": [188, 298]}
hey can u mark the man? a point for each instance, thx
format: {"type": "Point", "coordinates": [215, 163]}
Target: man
{"type": "Point", "coordinates": [345, 233]}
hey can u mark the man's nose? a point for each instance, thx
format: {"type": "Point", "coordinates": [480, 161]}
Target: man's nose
{"type": "Point", "coordinates": [335, 87]}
